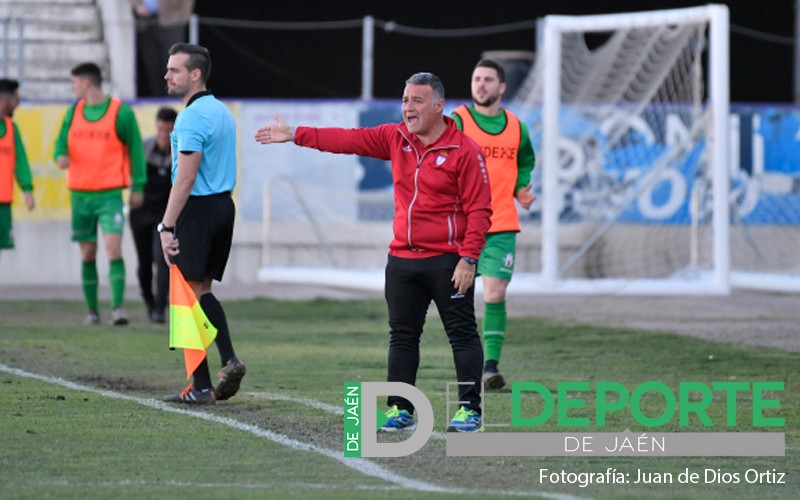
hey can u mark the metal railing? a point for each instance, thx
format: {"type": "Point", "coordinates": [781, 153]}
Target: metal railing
{"type": "Point", "coordinates": [367, 24]}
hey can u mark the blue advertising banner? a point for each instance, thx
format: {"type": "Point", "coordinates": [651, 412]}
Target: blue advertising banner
{"type": "Point", "coordinates": [651, 171]}
{"type": "Point", "coordinates": [607, 170]}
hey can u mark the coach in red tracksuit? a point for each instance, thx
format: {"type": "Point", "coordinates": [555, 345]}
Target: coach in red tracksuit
{"type": "Point", "coordinates": [442, 211]}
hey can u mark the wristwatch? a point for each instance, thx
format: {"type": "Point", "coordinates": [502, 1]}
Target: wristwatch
{"type": "Point", "coordinates": [161, 228]}
{"type": "Point", "coordinates": [470, 260]}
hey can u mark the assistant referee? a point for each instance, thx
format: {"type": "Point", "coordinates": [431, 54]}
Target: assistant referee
{"type": "Point", "coordinates": [197, 228]}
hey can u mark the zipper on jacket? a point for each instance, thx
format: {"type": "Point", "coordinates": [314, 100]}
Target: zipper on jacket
{"type": "Point", "coordinates": [416, 189]}
{"type": "Point", "coordinates": [450, 231]}
{"type": "Point", "coordinates": [413, 200]}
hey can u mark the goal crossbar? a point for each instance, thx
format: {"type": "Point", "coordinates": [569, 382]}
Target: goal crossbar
{"type": "Point", "coordinates": [716, 17]}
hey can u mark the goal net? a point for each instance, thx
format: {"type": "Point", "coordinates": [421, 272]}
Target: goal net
{"type": "Point", "coordinates": [765, 199]}
{"type": "Point", "coordinates": [628, 115]}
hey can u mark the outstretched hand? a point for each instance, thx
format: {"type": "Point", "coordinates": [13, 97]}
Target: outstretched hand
{"type": "Point", "coordinates": [525, 197]}
{"type": "Point", "coordinates": [280, 131]}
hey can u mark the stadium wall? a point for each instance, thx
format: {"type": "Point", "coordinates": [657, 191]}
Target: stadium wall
{"type": "Point", "coordinates": [766, 150]}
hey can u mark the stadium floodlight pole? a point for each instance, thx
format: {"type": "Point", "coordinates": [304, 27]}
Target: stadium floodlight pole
{"type": "Point", "coordinates": [367, 54]}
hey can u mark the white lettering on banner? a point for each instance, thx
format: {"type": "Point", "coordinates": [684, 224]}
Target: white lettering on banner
{"type": "Point", "coordinates": [636, 124]}
{"type": "Point", "coordinates": [584, 159]}
{"type": "Point", "coordinates": [676, 134]}
{"type": "Point", "coordinates": [576, 166]}
{"type": "Point", "coordinates": [677, 195]}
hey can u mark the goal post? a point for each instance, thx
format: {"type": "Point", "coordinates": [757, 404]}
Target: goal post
{"type": "Point", "coordinates": [648, 70]}
{"type": "Point", "coordinates": [628, 115]}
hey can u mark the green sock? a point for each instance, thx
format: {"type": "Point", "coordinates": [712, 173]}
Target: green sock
{"type": "Point", "coordinates": [494, 330]}
{"type": "Point", "coordinates": [116, 278]}
{"type": "Point", "coordinates": [89, 283]}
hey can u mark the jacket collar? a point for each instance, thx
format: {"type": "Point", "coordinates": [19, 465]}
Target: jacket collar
{"type": "Point", "coordinates": [450, 138]}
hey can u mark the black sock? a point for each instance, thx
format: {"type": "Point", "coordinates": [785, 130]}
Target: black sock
{"type": "Point", "coordinates": [216, 315]}
{"type": "Point", "coordinates": [490, 366]}
{"type": "Point", "coordinates": [201, 378]}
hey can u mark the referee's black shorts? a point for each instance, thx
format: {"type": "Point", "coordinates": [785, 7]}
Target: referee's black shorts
{"type": "Point", "coordinates": [205, 233]}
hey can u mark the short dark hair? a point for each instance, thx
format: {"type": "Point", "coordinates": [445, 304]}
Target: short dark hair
{"type": "Point", "coordinates": [428, 79]}
{"type": "Point", "coordinates": [167, 115]}
{"type": "Point", "coordinates": [491, 63]}
{"type": "Point", "coordinates": [91, 71]}
{"type": "Point", "coordinates": [199, 58]}
{"type": "Point", "coordinates": [8, 86]}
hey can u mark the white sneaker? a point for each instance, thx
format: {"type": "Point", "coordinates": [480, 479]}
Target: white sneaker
{"type": "Point", "coordinates": [92, 318]}
{"type": "Point", "coordinates": [119, 317]}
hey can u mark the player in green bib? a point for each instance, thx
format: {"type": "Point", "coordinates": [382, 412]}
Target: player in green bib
{"type": "Point", "coordinates": [506, 145]}
{"type": "Point", "coordinates": [13, 161]}
{"type": "Point", "coordinates": [100, 147]}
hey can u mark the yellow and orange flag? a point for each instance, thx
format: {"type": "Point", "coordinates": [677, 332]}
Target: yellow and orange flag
{"type": "Point", "coordinates": [189, 328]}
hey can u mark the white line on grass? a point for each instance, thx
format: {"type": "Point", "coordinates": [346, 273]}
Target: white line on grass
{"type": "Point", "coordinates": [319, 405]}
{"type": "Point", "coordinates": [193, 484]}
{"type": "Point", "coordinates": [361, 465]}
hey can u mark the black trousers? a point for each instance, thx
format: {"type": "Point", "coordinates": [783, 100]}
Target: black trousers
{"type": "Point", "coordinates": [148, 251]}
{"type": "Point", "coordinates": [411, 285]}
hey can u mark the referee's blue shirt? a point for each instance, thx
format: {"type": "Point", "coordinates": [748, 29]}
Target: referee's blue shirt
{"type": "Point", "coordinates": [206, 126]}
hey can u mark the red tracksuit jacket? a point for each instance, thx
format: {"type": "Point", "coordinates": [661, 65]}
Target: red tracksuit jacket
{"type": "Point", "coordinates": [442, 200]}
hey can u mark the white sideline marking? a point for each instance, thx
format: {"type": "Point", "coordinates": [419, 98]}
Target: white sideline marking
{"type": "Point", "coordinates": [275, 396]}
{"type": "Point", "coordinates": [361, 465]}
{"type": "Point", "coordinates": [185, 484]}
{"type": "Point", "coordinates": [336, 410]}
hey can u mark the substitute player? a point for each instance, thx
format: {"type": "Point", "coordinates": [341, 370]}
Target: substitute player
{"type": "Point", "coordinates": [13, 161]}
{"type": "Point", "coordinates": [100, 147]}
{"type": "Point", "coordinates": [507, 147]}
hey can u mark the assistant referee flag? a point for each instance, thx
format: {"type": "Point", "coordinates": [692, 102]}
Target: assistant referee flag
{"type": "Point", "coordinates": [189, 328]}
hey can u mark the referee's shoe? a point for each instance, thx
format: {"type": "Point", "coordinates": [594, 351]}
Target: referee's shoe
{"type": "Point", "coordinates": [190, 395]}
{"type": "Point", "coordinates": [230, 378]}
